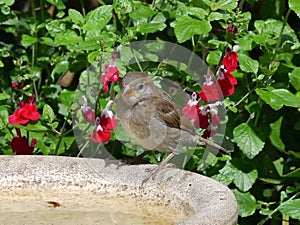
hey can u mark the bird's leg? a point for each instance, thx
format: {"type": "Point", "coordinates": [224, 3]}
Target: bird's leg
{"type": "Point", "coordinates": [159, 167]}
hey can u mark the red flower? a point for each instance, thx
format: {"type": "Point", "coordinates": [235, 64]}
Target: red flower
{"type": "Point", "coordinates": [230, 60]}
{"type": "Point", "coordinates": [103, 126]}
{"type": "Point", "coordinates": [16, 85]}
{"type": "Point", "coordinates": [25, 113]}
{"type": "Point", "coordinates": [20, 145]}
{"type": "Point", "coordinates": [209, 133]}
{"type": "Point", "coordinates": [111, 73]}
{"type": "Point", "coordinates": [226, 81]}
{"type": "Point", "coordinates": [191, 110]}
{"type": "Point", "coordinates": [214, 116]}
{"type": "Point", "coordinates": [107, 118]}
{"type": "Point", "coordinates": [231, 29]}
{"type": "Point", "coordinates": [210, 91]}
{"type": "Point", "coordinates": [87, 112]}
{"type": "Point", "coordinates": [100, 135]}
{"type": "Point", "coordinates": [203, 118]}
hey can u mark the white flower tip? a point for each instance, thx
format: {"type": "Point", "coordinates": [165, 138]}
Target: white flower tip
{"type": "Point", "coordinates": [236, 48]}
{"type": "Point", "coordinates": [84, 100]}
{"type": "Point", "coordinates": [109, 104]}
{"type": "Point", "coordinates": [106, 110]}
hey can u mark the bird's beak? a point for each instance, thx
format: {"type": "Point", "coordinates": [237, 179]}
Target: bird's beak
{"type": "Point", "coordinates": [128, 91]}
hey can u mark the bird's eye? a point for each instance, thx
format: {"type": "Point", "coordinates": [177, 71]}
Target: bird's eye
{"type": "Point", "coordinates": [141, 86]}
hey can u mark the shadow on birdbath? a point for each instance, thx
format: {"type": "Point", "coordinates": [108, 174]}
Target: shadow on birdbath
{"type": "Point", "coordinates": [64, 190]}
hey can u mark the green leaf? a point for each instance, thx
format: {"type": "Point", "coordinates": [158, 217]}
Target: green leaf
{"type": "Point", "coordinates": [247, 140]}
{"type": "Point", "coordinates": [60, 67]}
{"type": "Point", "coordinates": [48, 113]}
{"type": "Point", "coordinates": [144, 28]}
{"type": "Point", "coordinates": [98, 18]}
{"type": "Point", "coordinates": [76, 16]}
{"type": "Point", "coordinates": [227, 174]}
{"type": "Point", "coordinates": [36, 127]}
{"type": "Point", "coordinates": [67, 97]}
{"type": "Point", "coordinates": [295, 6]}
{"type": "Point", "coordinates": [7, 2]}
{"type": "Point", "coordinates": [1, 64]}
{"type": "Point", "coordinates": [141, 13]}
{"type": "Point", "coordinates": [186, 27]}
{"type": "Point", "coordinates": [53, 125]}
{"type": "Point", "coordinates": [245, 181]}
{"type": "Point", "coordinates": [245, 42]}
{"type": "Point", "coordinates": [213, 57]}
{"type": "Point", "coordinates": [279, 165]}
{"type": "Point", "coordinates": [275, 134]}
{"type": "Point", "coordinates": [156, 24]}
{"type": "Point", "coordinates": [69, 38]}
{"type": "Point", "coordinates": [217, 16]}
{"type": "Point", "coordinates": [246, 202]}
{"type": "Point", "coordinates": [58, 3]}
{"type": "Point", "coordinates": [291, 208]}
{"type": "Point", "coordinates": [277, 98]}
{"type": "Point", "coordinates": [227, 4]}
{"type": "Point", "coordinates": [4, 96]}
{"type": "Point", "coordinates": [197, 12]}
{"type": "Point", "coordinates": [295, 78]}
{"type": "Point", "coordinates": [247, 64]}
{"type": "Point", "coordinates": [295, 174]}
{"type": "Point", "coordinates": [28, 40]}
{"type": "Point", "coordinates": [49, 41]}
{"type": "Point", "coordinates": [262, 39]}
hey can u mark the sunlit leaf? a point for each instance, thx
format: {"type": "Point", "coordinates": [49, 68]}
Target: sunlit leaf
{"type": "Point", "coordinates": [58, 3]}
{"type": "Point", "coordinates": [186, 27]}
{"type": "Point", "coordinates": [291, 208]}
{"type": "Point", "coordinates": [247, 64]}
{"type": "Point", "coordinates": [275, 134]}
{"type": "Point", "coordinates": [277, 98]}
{"type": "Point", "coordinates": [245, 181]}
{"type": "Point", "coordinates": [247, 140]}
{"type": "Point", "coordinates": [7, 2]}
{"type": "Point", "coordinates": [295, 6]}
{"type": "Point", "coordinates": [28, 40]}
{"type": "Point", "coordinates": [48, 113]}
{"type": "Point", "coordinates": [246, 202]}
{"type": "Point", "coordinates": [98, 18]}
{"type": "Point", "coordinates": [295, 78]}
{"type": "Point", "coordinates": [76, 16]}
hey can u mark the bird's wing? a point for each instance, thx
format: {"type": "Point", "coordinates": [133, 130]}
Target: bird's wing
{"type": "Point", "coordinates": [164, 110]}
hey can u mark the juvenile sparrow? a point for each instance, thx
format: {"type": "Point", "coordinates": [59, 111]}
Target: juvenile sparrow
{"type": "Point", "coordinates": [152, 119]}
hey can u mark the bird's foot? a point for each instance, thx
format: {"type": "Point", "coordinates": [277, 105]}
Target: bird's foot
{"type": "Point", "coordinates": [162, 165]}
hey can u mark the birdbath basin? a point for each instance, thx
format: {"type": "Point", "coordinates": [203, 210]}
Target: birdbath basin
{"type": "Point", "coordinates": [65, 190]}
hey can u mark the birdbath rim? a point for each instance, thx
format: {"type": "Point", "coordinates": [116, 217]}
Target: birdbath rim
{"type": "Point", "coordinates": [204, 199]}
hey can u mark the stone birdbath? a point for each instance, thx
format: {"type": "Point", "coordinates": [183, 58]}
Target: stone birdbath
{"type": "Point", "coordinates": [65, 190]}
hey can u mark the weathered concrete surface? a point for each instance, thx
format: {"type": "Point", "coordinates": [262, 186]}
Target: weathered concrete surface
{"type": "Point", "coordinates": [201, 199]}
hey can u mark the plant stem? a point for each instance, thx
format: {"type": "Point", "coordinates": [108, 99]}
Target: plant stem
{"type": "Point", "coordinates": [101, 2]}
{"type": "Point", "coordinates": [60, 138]}
{"type": "Point", "coordinates": [82, 8]}
{"type": "Point", "coordinates": [241, 4]}
{"type": "Point", "coordinates": [82, 149]}
{"type": "Point", "coordinates": [27, 136]}
{"type": "Point", "coordinates": [243, 98]}
{"type": "Point", "coordinates": [280, 36]}
{"type": "Point", "coordinates": [276, 210]}
{"type": "Point", "coordinates": [34, 49]}
{"type": "Point", "coordinates": [42, 10]}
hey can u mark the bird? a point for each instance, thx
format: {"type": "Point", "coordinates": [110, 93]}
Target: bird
{"type": "Point", "coordinates": [153, 120]}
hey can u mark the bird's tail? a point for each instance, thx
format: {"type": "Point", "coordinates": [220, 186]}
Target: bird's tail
{"type": "Point", "coordinates": [213, 147]}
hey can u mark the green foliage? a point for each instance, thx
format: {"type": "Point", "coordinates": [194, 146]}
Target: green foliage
{"type": "Point", "coordinates": [38, 50]}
